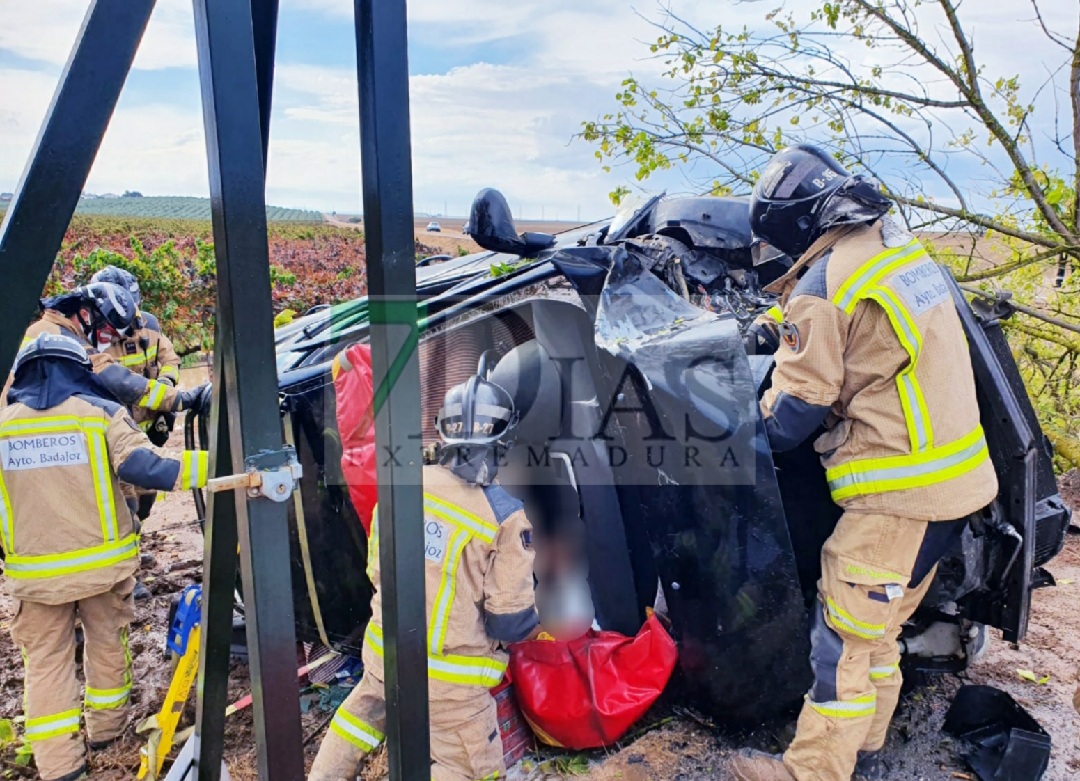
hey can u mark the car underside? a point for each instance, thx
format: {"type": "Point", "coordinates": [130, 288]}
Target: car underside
{"type": "Point", "coordinates": [641, 454]}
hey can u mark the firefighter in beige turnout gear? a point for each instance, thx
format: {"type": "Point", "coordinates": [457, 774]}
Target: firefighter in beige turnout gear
{"type": "Point", "coordinates": [479, 578]}
{"type": "Point", "coordinates": [69, 544]}
{"type": "Point", "coordinates": [870, 345]}
{"type": "Point", "coordinates": [97, 315]}
{"type": "Point", "coordinates": [144, 349]}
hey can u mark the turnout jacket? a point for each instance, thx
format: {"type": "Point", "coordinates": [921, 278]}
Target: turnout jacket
{"type": "Point", "coordinates": [871, 344]}
{"type": "Point", "coordinates": [478, 564]}
{"type": "Point", "coordinates": [130, 388]}
{"type": "Point", "coordinates": [66, 530]}
{"type": "Point", "coordinates": [151, 354]}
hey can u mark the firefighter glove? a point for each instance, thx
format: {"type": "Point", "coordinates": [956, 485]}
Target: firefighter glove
{"type": "Point", "coordinates": [194, 400]}
{"type": "Point", "coordinates": [161, 427]}
{"type": "Point", "coordinates": [760, 339]}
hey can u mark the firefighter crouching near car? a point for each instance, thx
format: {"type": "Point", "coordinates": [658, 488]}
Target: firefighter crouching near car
{"type": "Point", "coordinates": [479, 575]}
{"type": "Point", "coordinates": [97, 315]}
{"type": "Point", "coordinates": [871, 345]}
{"type": "Point", "coordinates": [144, 350]}
{"type": "Point", "coordinates": [70, 546]}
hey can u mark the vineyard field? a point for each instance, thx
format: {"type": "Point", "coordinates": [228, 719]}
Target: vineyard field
{"type": "Point", "coordinates": [177, 207]}
{"type": "Point", "coordinates": [310, 264]}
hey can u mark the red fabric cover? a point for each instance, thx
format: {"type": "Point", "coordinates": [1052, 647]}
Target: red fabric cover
{"type": "Point", "coordinates": [588, 692]}
{"type": "Point", "coordinates": [353, 389]}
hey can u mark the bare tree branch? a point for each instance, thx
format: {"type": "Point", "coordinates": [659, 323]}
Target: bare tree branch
{"type": "Point", "coordinates": [1074, 95]}
{"type": "Point", "coordinates": [969, 87]}
{"type": "Point", "coordinates": [1008, 268]}
{"type": "Point", "coordinates": [1060, 40]}
{"type": "Point", "coordinates": [982, 221]}
{"type": "Point", "coordinates": [993, 124]}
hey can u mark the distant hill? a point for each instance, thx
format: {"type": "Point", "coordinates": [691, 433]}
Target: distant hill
{"type": "Point", "coordinates": [177, 207]}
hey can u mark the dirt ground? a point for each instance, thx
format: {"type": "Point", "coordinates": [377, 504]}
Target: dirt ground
{"type": "Point", "coordinates": [670, 743]}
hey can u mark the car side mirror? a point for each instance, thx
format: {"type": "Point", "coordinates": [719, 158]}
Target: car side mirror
{"type": "Point", "coordinates": [491, 225]}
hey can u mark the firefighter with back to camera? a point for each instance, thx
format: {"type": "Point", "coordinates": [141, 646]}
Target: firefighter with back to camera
{"type": "Point", "coordinates": [70, 546]}
{"type": "Point", "coordinates": [144, 350]}
{"type": "Point", "coordinates": [479, 587]}
{"type": "Point", "coordinates": [869, 344]}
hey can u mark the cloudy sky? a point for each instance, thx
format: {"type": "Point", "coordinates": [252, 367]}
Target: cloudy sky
{"type": "Point", "coordinates": [498, 89]}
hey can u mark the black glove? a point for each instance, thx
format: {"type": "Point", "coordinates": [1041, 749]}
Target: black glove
{"type": "Point", "coordinates": [759, 339]}
{"type": "Point", "coordinates": [206, 398]}
{"type": "Point", "coordinates": [193, 400]}
{"type": "Point", "coordinates": [161, 428]}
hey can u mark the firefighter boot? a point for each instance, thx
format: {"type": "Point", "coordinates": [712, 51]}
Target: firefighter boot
{"type": "Point", "coordinates": [869, 766]}
{"type": "Point", "coordinates": [76, 775]}
{"type": "Point", "coordinates": [751, 765]}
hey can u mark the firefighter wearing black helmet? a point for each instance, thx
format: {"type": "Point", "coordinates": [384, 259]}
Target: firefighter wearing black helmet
{"type": "Point", "coordinates": [97, 315]}
{"type": "Point", "coordinates": [144, 350]}
{"type": "Point", "coordinates": [479, 576]}
{"type": "Point", "coordinates": [70, 548]}
{"type": "Point", "coordinates": [869, 346]}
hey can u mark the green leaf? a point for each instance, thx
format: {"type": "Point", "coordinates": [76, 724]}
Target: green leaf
{"type": "Point", "coordinates": [7, 732]}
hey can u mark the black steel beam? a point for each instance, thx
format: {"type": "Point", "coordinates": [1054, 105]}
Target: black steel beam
{"type": "Point", "coordinates": [383, 78]}
{"type": "Point", "coordinates": [248, 373]}
{"type": "Point", "coordinates": [221, 539]}
{"type": "Point", "coordinates": [35, 222]}
{"type": "Point", "coordinates": [264, 16]}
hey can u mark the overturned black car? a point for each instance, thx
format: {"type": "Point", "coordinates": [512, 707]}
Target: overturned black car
{"type": "Point", "coordinates": [641, 446]}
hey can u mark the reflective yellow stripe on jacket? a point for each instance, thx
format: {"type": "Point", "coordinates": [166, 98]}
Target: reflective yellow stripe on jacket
{"type": "Point", "coordinates": [154, 398]}
{"type": "Point", "coordinates": [466, 526]}
{"type": "Point", "coordinates": [896, 473]}
{"type": "Point", "coordinates": [465, 670]}
{"type": "Point", "coordinates": [193, 468]}
{"type": "Point", "coordinates": [55, 564]}
{"type": "Point", "coordinates": [97, 450]}
{"type": "Point", "coordinates": [7, 529]}
{"type": "Point", "coordinates": [927, 462]}
{"type": "Point", "coordinates": [139, 358]}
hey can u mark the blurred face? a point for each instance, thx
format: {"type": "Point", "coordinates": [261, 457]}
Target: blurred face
{"type": "Point", "coordinates": [103, 337]}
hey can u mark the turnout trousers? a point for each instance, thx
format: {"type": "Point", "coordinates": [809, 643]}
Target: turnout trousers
{"type": "Point", "coordinates": [465, 743]}
{"type": "Point", "coordinates": [876, 569]}
{"type": "Point", "coordinates": [45, 634]}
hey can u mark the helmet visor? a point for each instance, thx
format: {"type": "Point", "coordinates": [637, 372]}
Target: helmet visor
{"type": "Point", "coordinates": [762, 252]}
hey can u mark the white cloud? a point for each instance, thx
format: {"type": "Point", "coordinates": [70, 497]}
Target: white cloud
{"type": "Point", "coordinates": [476, 126]}
{"type": "Point", "coordinates": [45, 30]}
{"type": "Point", "coordinates": [157, 149]}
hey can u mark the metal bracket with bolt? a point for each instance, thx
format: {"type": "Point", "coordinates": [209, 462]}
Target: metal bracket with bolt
{"type": "Point", "coordinates": [271, 474]}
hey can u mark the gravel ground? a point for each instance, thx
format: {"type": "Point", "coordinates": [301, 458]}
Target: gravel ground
{"type": "Point", "coordinates": [670, 743]}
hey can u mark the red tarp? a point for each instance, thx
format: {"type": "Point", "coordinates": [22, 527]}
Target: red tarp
{"type": "Point", "coordinates": [353, 388]}
{"type": "Point", "coordinates": [588, 692]}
